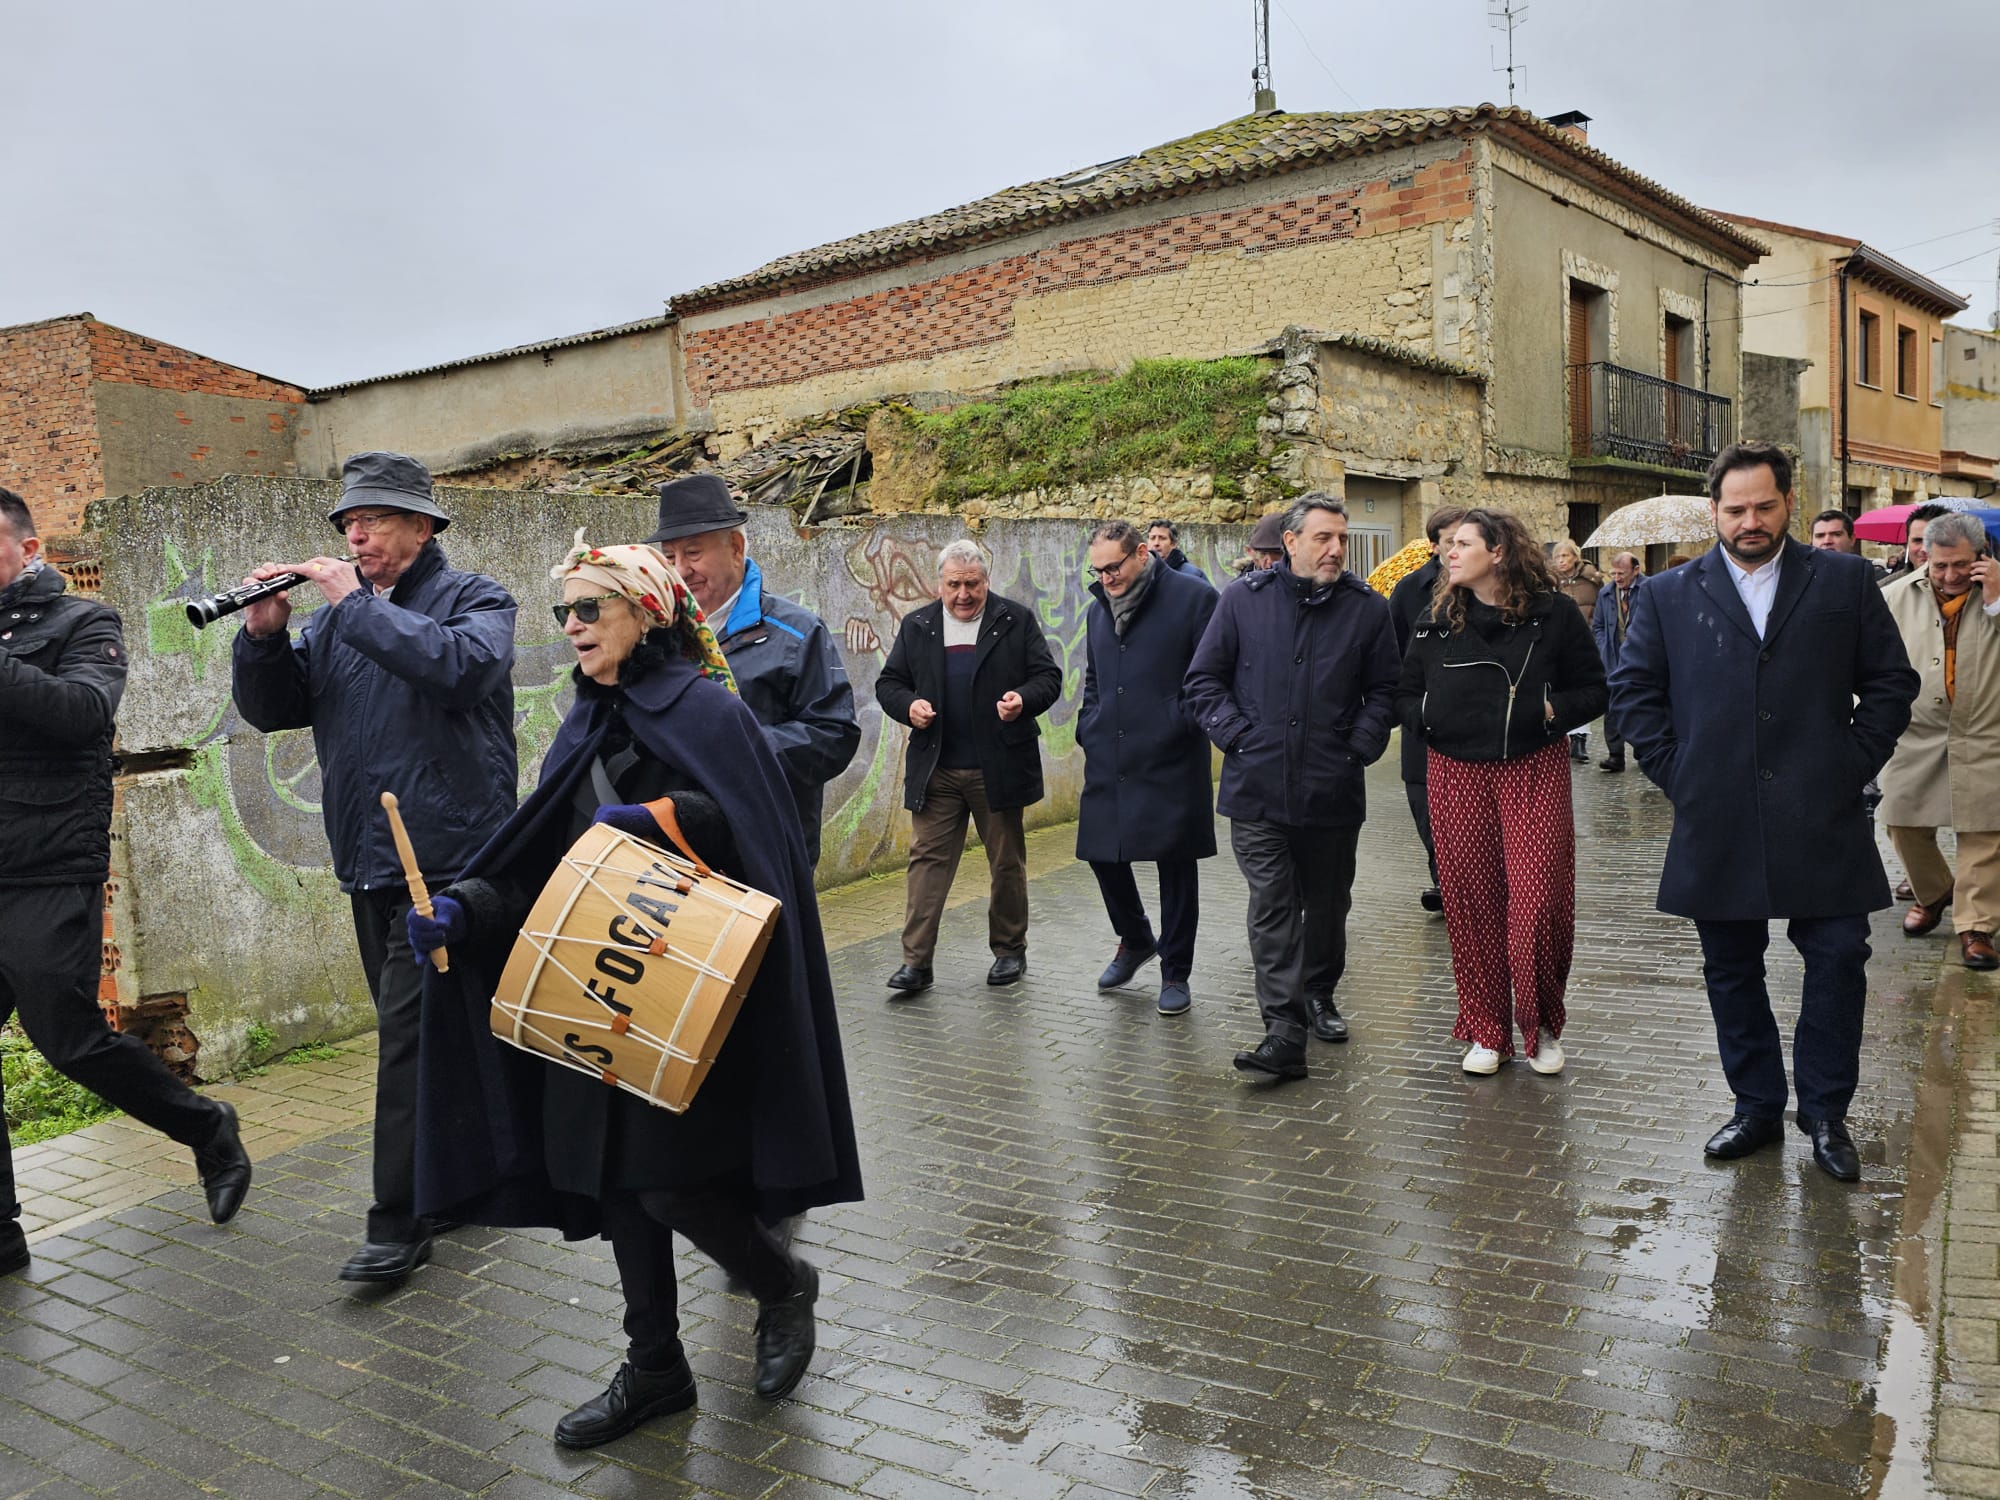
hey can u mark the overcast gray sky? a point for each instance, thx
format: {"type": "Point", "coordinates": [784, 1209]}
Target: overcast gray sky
{"type": "Point", "coordinates": [342, 189]}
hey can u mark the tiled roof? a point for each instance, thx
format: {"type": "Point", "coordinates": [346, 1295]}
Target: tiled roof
{"type": "Point", "coordinates": [569, 341]}
{"type": "Point", "coordinates": [1396, 352]}
{"type": "Point", "coordinates": [1243, 149]}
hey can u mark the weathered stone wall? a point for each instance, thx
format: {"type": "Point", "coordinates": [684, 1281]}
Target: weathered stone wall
{"type": "Point", "coordinates": [1972, 391]}
{"type": "Point", "coordinates": [228, 896]}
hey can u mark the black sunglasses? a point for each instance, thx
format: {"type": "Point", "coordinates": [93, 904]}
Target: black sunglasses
{"type": "Point", "coordinates": [586, 609]}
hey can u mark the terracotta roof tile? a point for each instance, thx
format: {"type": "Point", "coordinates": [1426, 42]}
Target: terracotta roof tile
{"type": "Point", "coordinates": [1243, 149]}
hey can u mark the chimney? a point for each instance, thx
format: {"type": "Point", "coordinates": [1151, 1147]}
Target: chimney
{"type": "Point", "coordinates": [1267, 102]}
{"type": "Point", "coordinates": [1573, 122]}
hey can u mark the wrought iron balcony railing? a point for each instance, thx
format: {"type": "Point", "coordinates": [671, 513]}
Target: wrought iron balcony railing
{"type": "Point", "coordinates": [1619, 413]}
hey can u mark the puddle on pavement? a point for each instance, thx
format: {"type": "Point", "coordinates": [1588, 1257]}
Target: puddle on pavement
{"type": "Point", "coordinates": [1650, 1246]}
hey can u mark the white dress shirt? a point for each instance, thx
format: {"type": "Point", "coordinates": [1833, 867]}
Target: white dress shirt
{"type": "Point", "coordinates": [1757, 586]}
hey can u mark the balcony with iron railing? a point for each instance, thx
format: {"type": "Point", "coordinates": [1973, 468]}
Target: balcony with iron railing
{"type": "Point", "coordinates": [1620, 414]}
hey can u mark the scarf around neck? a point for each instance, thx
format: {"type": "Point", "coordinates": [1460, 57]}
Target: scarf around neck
{"type": "Point", "coordinates": [1125, 607]}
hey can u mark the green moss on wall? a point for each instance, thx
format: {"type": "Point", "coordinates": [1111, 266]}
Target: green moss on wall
{"type": "Point", "coordinates": [1161, 415]}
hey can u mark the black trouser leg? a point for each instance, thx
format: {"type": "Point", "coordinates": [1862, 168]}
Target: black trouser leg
{"type": "Point", "coordinates": [644, 1250]}
{"type": "Point", "coordinates": [1120, 890]}
{"type": "Point", "coordinates": [1418, 794]}
{"type": "Point", "coordinates": [51, 953]}
{"type": "Point", "coordinates": [1273, 918]}
{"type": "Point", "coordinates": [397, 983]}
{"type": "Point", "coordinates": [724, 1227]}
{"type": "Point", "coordinates": [1180, 914]}
{"type": "Point", "coordinates": [1325, 858]}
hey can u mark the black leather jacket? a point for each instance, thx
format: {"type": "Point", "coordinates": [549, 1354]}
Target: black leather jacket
{"type": "Point", "coordinates": [1473, 700]}
{"type": "Point", "coordinates": [62, 672]}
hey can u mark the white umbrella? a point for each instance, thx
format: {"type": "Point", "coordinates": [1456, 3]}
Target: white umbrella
{"type": "Point", "coordinates": [1664, 518]}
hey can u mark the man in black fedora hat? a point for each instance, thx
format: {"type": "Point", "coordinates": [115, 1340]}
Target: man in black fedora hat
{"type": "Point", "coordinates": [406, 679]}
{"type": "Point", "coordinates": [786, 665]}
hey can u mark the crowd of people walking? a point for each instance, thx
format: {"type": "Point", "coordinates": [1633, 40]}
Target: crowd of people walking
{"type": "Point", "coordinates": [1763, 687]}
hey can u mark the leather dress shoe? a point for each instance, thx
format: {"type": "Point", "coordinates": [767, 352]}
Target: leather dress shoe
{"type": "Point", "coordinates": [634, 1396]}
{"type": "Point", "coordinates": [910, 981]}
{"type": "Point", "coordinates": [786, 1337]}
{"type": "Point", "coordinates": [224, 1167]}
{"type": "Point", "coordinates": [13, 1247]}
{"type": "Point", "coordinates": [1976, 948]}
{"type": "Point", "coordinates": [1742, 1135]}
{"type": "Point", "coordinates": [1431, 900]}
{"type": "Point", "coordinates": [1007, 968]}
{"type": "Point", "coordinates": [1327, 1022]}
{"type": "Point", "coordinates": [1124, 964]}
{"type": "Point", "coordinates": [1274, 1057]}
{"type": "Point", "coordinates": [1903, 891]}
{"type": "Point", "coordinates": [1925, 915]}
{"type": "Point", "coordinates": [1833, 1148]}
{"type": "Point", "coordinates": [1612, 763]}
{"type": "Point", "coordinates": [386, 1260]}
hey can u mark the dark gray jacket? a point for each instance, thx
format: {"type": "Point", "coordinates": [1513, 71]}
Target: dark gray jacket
{"type": "Point", "coordinates": [410, 693]}
{"type": "Point", "coordinates": [62, 672]}
{"type": "Point", "coordinates": [789, 673]}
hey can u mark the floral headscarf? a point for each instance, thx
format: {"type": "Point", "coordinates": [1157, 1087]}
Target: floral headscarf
{"type": "Point", "coordinates": [640, 574]}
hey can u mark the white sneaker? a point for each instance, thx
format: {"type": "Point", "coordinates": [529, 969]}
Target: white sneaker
{"type": "Point", "coordinates": [1481, 1060]}
{"type": "Point", "coordinates": [1547, 1056]}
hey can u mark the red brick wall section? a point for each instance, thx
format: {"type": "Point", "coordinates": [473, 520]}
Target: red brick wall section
{"type": "Point", "coordinates": [121, 358]}
{"type": "Point", "coordinates": [49, 448]}
{"type": "Point", "coordinates": [975, 306]}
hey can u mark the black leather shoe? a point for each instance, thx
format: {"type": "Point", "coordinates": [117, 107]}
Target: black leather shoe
{"type": "Point", "coordinates": [910, 981]}
{"type": "Point", "coordinates": [1124, 964]}
{"type": "Point", "coordinates": [1833, 1148]}
{"type": "Point", "coordinates": [1276, 1058]}
{"type": "Point", "coordinates": [13, 1247]}
{"type": "Point", "coordinates": [786, 1336]}
{"type": "Point", "coordinates": [1577, 753]}
{"type": "Point", "coordinates": [380, 1260]}
{"type": "Point", "coordinates": [1007, 968]}
{"type": "Point", "coordinates": [1431, 900]}
{"type": "Point", "coordinates": [634, 1396]}
{"type": "Point", "coordinates": [1328, 1023]}
{"type": "Point", "coordinates": [224, 1167]}
{"type": "Point", "coordinates": [1612, 763]}
{"type": "Point", "coordinates": [1742, 1135]}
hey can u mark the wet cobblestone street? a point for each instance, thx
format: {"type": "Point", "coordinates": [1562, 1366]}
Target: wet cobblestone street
{"type": "Point", "coordinates": [1095, 1261]}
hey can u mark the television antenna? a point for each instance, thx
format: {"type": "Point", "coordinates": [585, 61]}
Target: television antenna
{"type": "Point", "coordinates": [1507, 15]}
{"type": "Point", "coordinates": [1264, 97]}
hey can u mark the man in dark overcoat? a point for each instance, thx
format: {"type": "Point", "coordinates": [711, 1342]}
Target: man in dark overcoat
{"type": "Point", "coordinates": [1762, 686]}
{"type": "Point", "coordinates": [1407, 601]}
{"type": "Point", "coordinates": [1294, 681]}
{"type": "Point", "coordinates": [406, 679]}
{"type": "Point", "coordinates": [971, 675]}
{"type": "Point", "coordinates": [1610, 622]}
{"type": "Point", "coordinates": [1146, 791]}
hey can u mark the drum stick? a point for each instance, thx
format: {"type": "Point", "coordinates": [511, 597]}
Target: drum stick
{"type": "Point", "coordinates": [420, 895]}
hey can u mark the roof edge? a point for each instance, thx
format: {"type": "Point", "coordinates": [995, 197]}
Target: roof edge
{"type": "Point", "coordinates": [568, 341]}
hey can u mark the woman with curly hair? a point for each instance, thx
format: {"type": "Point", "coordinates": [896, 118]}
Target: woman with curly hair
{"type": "Point", "coordinates": [1500, 668]}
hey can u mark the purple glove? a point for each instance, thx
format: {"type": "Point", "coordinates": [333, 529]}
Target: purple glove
{"type": "Point", "coordinates": [631, 818]}
{"type": "Point", "coordinates": [446, 925]}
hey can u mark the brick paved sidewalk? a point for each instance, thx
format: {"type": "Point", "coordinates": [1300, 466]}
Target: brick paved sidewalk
{"type": "Point", "coordinates": [1094, 1261]}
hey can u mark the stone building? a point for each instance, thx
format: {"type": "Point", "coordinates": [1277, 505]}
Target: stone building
{"type": "Point", "coordinates": [1971, 397]}
{"type": "Point", "coordinates": [88, 410]}
{"type": "Point", "coordinates": [1872, 396]}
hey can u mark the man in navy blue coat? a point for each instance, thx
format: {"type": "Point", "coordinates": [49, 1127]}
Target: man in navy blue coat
{"type": "Point", "coordinates": [1146, 790]}
{"type": "Point", "coordinates": [1294, 681]}
{"type": "Point", "coordinates": [406, 680]}
{"type": "Point", "coordinates": [1762, 686]}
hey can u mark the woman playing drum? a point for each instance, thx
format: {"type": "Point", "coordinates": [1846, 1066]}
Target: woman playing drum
{"type": "Point", "coordinates": [508, 1139]}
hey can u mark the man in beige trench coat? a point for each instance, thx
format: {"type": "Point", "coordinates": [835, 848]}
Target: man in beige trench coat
{"type": "Point", "coordinates": [1943, 771]}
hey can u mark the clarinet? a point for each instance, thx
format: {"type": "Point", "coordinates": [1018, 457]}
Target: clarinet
{"type": "Point", "coordinates": [205, 612]}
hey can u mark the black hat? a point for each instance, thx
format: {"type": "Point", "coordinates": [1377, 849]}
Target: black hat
{"type": "Point", "coordinates": [390, 480]}
{"type": "Point", "coordinates": [690, 506]}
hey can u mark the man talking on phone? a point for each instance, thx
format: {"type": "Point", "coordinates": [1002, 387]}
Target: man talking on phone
{"type": "Point", "coordinates": [1948, 613]}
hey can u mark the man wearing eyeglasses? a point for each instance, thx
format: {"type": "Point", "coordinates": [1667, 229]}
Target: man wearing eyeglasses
{"type": "Point", "coordinates": [405, 678]}
{"type": "Point", "coordinates": [1147, 796]}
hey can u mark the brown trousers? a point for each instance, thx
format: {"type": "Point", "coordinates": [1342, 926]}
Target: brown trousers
{"type": "Point", "coordinates": [937, 839]}
{"type": "Point", "coordinates": [1975, 894]}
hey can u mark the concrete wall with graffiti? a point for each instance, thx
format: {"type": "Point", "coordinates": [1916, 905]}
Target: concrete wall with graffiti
{"type": "Point", "coordinates": [230, 898]}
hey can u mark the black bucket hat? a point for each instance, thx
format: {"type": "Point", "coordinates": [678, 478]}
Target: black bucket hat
{"type": "Point", "coordinates": [393, 481]}
{"type": "Point", "coordinates": [690, 506]}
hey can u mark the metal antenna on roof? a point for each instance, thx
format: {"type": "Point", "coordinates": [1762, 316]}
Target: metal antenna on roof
{"type": "Point", "coordinates": [1505, 15]}
{"type": "Point", "coordinates": [1264, 96]}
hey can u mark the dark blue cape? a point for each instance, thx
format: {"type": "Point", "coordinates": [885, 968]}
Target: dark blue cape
{"type": "Point", "coordinates": [481, 1147]}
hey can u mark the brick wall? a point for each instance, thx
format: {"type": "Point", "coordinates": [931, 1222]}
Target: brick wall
{"type": "Point", "coordinates": [49, 447]}
{"type": "Point", "coordinates": [121, 358]}
{"type": "Point", "coordinates": [978, 305]}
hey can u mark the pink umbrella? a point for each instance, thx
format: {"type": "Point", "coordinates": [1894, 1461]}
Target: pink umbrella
{"type": "Point", "coordinates": [1891, 523]}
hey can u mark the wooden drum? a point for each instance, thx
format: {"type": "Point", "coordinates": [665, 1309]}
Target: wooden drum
{"type": "Point", "coordinates": [633, 964]}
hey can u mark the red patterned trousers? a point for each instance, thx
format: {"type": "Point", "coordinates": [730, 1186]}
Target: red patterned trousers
{"type": "Point", "coordinates": [1506, 850]}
